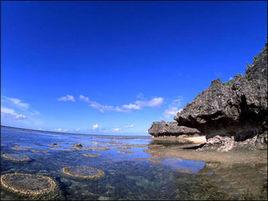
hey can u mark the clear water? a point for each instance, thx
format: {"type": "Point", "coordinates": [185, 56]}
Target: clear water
{"type": "Point", "coordinates": [130, 172]}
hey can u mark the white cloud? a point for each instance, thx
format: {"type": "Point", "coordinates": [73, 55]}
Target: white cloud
{"type": "Point", "coordinates": [12, 113]}
{"type": "Point", "coordinates": [131, 106]}
{"type": "Point", "coordinates": [171, 112]}
{"type": "Point", "coordinates": [67, 98]}
{"type": "Point", "coordinates": [129, 126]}
{"type": "Point", "coordinates": [95, 126]}
{"type": "Point", "coordinates": [174, 108]}
{"type": "Point", "coordinates": [18, 103]}
{"type": "Point", "coordinates": [84, 98]}
{"type": "Point", "coordinates": [137, 105]}
{"type": "Point", "coordinates": [14, 109]}
{"type": "Point", "coordinates": [155, 102]}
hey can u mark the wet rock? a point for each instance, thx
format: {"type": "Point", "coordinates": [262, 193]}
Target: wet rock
{"type": "Point", "coordinates": [219, 143]}
{"type": "Point", "coordinates": [170, 129]}
{"type": "Point", "coordinates": [54, 145]}
{"type": "Point", "coordinates": [78, 146]}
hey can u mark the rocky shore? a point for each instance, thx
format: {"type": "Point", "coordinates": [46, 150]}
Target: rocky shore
{"type": "Point", "coordinates": [231, 115]}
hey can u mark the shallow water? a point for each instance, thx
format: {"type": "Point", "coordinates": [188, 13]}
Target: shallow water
{"type": "Point", "coordinates": [131, 172]}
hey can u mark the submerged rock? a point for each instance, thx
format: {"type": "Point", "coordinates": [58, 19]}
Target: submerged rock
{"type": "Point", "coordinates": [20, 148]}
{"type": "Point", "coordinates": [32, 186]}
{"type": "Point", "coordinates": [16, 157]}
{"type": "Point", "coordinates": [91, 155]}
{"type": "Point", "coordinates": [98, 148]}
{"type": "Point", "coordinates": [170, 129]}
{"type": "Point", "coordinates": [83, 172]}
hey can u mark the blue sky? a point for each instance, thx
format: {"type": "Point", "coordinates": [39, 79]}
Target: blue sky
{"type": "Point", "coordinates": [114, 67]}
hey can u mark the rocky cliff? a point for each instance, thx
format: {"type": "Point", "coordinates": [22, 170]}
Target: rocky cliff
{"type": "Point", "coordinates": [237, 108]}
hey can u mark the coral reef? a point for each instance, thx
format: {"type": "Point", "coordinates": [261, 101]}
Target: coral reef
{"type": "Point", "coordinates": [83, 172]}
{"type": "Point", "coordinates": [32, 186]}
{"type": "Point", "coordinates": [16, 157]}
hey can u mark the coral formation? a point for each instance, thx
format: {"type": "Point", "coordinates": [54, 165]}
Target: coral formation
{"type": "Point", "coordinates": [32, 186]}
{"type": "Point", "coordinates": [16, 157]}
{"type": "Point", "coordinates": [83, 172]}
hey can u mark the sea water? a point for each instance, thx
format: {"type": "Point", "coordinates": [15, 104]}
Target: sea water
{"type": "Point", "coordinates": [131, 172]}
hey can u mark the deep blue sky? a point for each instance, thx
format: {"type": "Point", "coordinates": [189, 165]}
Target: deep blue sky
{"type": "Point", "coordinates": [133, 63]}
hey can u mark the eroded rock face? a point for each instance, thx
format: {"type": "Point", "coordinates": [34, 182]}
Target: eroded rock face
{"type": "Point", "coordinates": [170, 129]}
{"type": "Point", "coordinates": [237, 108]}
{"type": "Point", "coordinates": [232, 114]}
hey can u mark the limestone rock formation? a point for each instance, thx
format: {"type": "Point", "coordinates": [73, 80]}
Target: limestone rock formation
{"type": "Point", "coordinates": [237, 108]}
{"type": "Point", "coordinates": [235, 111]}
{"type": "Point", "coordinates": [170, 129]}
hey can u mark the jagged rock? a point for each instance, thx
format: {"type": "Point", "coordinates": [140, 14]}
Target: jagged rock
{"type": "Point", "coordinates": [225, 143]}
{"type": "Point", "coordinates": [170, 129]}
{"type": "Point", "coordinates": [231, 115]}
{"type": "Point", "coordinates": [219, 143]}
{"type": "Point", "coordinates": [237, 108]}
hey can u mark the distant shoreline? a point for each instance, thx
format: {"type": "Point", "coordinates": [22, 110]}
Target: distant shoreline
{"type": "Point", "coordinates": [68, 133]}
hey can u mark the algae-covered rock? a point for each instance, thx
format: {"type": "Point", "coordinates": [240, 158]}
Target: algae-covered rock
{"type": "Point", "coordinates": [83, 172]}
{"type": "Point", "coordinates": [16, 157]}
{"type": "Point", "coordinates": [30, 186]}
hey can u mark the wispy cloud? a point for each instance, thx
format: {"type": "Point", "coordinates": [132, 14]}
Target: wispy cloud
{"type": "Point", "coordinates": [12, 113]}
{"type": "Point", "coordinates": [174, 108]}
{"type": "Point", "coordinates": [17, 102]}
{"type": "Point", "coordinates": [137, 105]}
{"type": "Point", "coordinates": [67, 98]}
{"type": "Point", "coordinates": [14, 109]}
{"type": "Point", "coordinates": [130, 126]}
